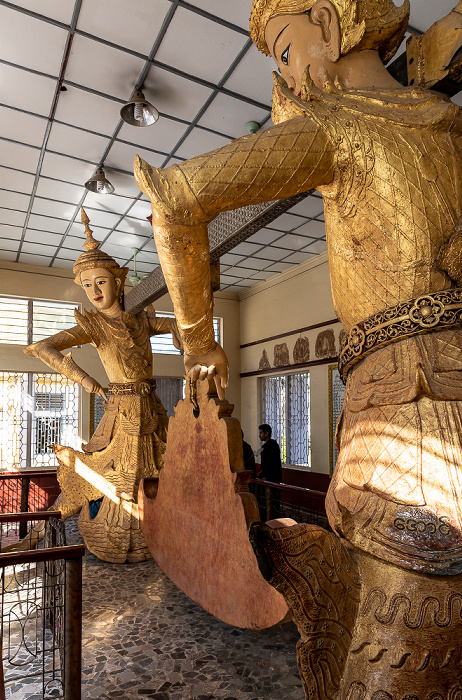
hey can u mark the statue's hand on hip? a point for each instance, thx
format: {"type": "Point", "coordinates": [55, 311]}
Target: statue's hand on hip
{"type": "Point", "coordinates": [93, 387]}
{"type": "Point", "coordinates": [212, 364]}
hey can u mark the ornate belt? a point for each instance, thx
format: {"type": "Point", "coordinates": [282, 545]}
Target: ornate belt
{"type": "Point", "coordinates": [142, 387]}
{"type": "Point", "coordinates": [429, 312]}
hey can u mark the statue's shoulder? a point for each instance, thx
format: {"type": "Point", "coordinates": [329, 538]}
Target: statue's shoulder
{"type": "Point", "coordinates": [91, 322]}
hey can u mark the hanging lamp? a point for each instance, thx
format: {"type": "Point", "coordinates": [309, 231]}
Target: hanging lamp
{"type": "Point", "coordinates": [99, 183]}
{"type": "Point", "coordinates": [138, 111]}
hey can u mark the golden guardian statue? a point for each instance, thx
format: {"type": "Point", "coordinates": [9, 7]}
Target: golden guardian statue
{"type": "Point", "coordinates": [377, 604]}
{"type": "Point", "coordinates": [102, 481]}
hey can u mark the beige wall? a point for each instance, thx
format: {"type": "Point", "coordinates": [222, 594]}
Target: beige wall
{"type": "Point", "coordinates": [296, 299]}
{"type": "Point", "coordinates": [58, 285]}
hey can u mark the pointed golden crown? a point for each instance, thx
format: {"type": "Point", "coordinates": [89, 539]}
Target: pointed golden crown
{"type": "Point", "coordinates": [94, 257]}
{"type": "Point", "coordinates": [366, 24]}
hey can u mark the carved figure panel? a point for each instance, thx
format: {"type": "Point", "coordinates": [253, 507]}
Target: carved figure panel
{"type": "Point", "coordinates": [281, 355]}
{"type": "Point", "coordinates": [301, 350]}
{"type": "Point", "coordinates": [264, 361]}
{"type": "Point", "coordinates": [325, 344]}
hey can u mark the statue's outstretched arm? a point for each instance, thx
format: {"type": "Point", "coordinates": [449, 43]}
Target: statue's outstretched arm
{"type": "Point", "coordinates": [287, 159]}
{"type": "Point", "coordinates": [49, 351]}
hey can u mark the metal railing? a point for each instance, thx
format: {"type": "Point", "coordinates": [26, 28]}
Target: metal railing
{"type": "Point", "coordinates": [286, 501]}
{"type": "Point", "coordinates": [21, 492]}
{"type": "Point", "coordinates": [41, 612]}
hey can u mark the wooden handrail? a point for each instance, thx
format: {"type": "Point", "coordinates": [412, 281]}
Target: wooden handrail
{"type": "Point", "coordinates": [288, 487]}
{"type": "Point", "coordinates": [28, 473]}
{"type": "Point", "coordinates": [26, 517]}
{"type": "Point", "coordinates": [73, 551]}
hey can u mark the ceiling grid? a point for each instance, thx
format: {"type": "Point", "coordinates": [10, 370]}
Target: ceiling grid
{"type": "Point", "coordinates": [66, 71]}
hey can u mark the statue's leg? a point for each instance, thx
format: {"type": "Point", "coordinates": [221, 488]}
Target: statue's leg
{"type": "Point", "coordinates": [407, 639]}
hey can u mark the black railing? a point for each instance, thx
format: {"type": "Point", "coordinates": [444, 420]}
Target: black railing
{"type": "Point", "coordinates": [286, 501]}
{"type": "Point", "coordinates": [41, 610]}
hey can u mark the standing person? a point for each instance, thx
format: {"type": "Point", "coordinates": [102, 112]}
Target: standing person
{"type": "Point", "coordinates": [271, 467]}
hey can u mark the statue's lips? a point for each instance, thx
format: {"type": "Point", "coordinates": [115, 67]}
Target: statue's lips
{"type": "Point", "coordinates": [97, 298]}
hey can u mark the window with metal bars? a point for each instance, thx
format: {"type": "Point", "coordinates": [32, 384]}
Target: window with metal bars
{"type": "Point", "coordinates": [25, 321]}
{"type": "Point", "coordinates": [163, 344]}
{"type": "Point", "coordinates": [36, 411]}
{"type": "Point", "coordinates": [286, 408]}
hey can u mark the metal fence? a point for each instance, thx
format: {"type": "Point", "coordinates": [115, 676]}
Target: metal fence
{"type": "Point", "coordinates": [41, 612]}
{"type": "Point", "coordinates": [36, 411]}
{"type": "Point", "coordinates": [286, 501]}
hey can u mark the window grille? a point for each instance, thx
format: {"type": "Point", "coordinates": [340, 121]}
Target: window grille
{"type": "Point", "coordinates": [163, 344]}
{"type": "Point", "coordinates": [286, 408]}
{"type": "Point", "coordinates": [25, 321]}
{"type": "Point", "coordinates": [36, 411]}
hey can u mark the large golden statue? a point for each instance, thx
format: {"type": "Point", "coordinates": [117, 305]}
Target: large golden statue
{"type": "Point", "coordinates": [102, 481]}
{"type": "Point", "coordinates": [387, 160]}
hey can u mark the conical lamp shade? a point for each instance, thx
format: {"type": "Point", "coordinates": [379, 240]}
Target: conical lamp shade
{"type": "Point", "coordinates": [99, 183]}
{"type": "Point", "coordinates": [139, 112]}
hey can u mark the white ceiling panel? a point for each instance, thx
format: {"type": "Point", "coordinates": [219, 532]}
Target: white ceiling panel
{"type": "Point", "coordinates": [103, 68]}
{"type": "Point", "coordinates": [315, 229]}
{"type": "Point", "coordinates": [192, 40]}
{"type": "Point", "coordinates": [14, 200]}
{"type": "Point", "coordinates": [18, 156]}
{"type": "Point", "coordinates": [132, 24]}
{"type": "Point", "coordinates": [12, 217]}
{"type": "Point", "coordinates": [265, 236]}
{"type": "Point", "coordinates": [236, 12]}
{"type": "Point", "coordinates": [200, 141]}
{"type": "Point", "coordinates": [310, 206]}
{"type": "Point", "coordinates": [38, 237]}
{"type": "Point", "coordinates": [293, 242]}
{"type": "Point", "coordinates": [226, 115]}
{"type": "Point", "coordinates": [48, 207]}
{"type": "Point", "coordinates": [39, 249]}
{"type": "Point", "coordinates": [286, 222]}
{"type": "Point", "coordinates": [125, 185]}
{"type": "Point", "coordinates": [15, 180]}
{"type": "Point", "coordinates": [24, 90]}
{"type": "Point", "coordinates": [141, 210]}
{"type": "Point", "coordinates": [93, 112]}
{"type": "Point", "coordinates": [272, 252]}
{"type": "Point", "coordinates": [316, 247]}
{"type": "Point", "coordinates": [31, 259]}
{"type": "Point", "coordinates": [424, 14]}
{"type": "Point", "coordinates": [127, 240]}
{"type": "Point", "coordinates": [246, 249]}
{"type": "Point", "coordinates": [8, 244]}
{"type": "Point", "coordinates": [161, 136]}
{"type": "Point", "coordinates": [253, 76]}
{"type": "Point", "coordinates": [8, 255]}
{"type": "Point", "coordinates": [255, 263]}
{"type": "Point", "coordinates": [122, 155]}
{"type": "Point", "coordinates": [13, 232]}
{"type": "Point", "coordinates": [173, 94]}
{"type": "Point", "coordinates": [75, 142]}
{"type": "Point", "coordinates": [64, 264]}
{"type": "Point", "coordinates": [99, 218]}
{"type": "Point", "coordinates": [111, 203]}
{"type": "Point", "coordinates": [64, 168]}
{"type": "Point", "coordinates": [298, 257]}
{"type": "Point", "coordinates": [46, 223]}
{"type": "Point", "coordinates": [135, 226]}
{"type": "Point", "coordinates": [30, 42]}
{"type": "Point", "coordinates": [150, 246]}
{"type": "Point", "coordinates": [279, 267]}
{"type": "Point", "coordinates": [22, 127]}
{"type": "Point", "coordinates": [60, 10]}
{"type": "Point", "coordinates": [61, 191]}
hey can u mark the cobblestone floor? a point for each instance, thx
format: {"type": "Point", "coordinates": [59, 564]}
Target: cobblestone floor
{"type": "Point", "coordinates": [144, 638]}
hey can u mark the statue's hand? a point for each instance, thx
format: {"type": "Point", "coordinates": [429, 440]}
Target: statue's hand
{"type": "Point", "coordinates": [212, 364]}
{"type": "Point", "coordinates": [93, 387]}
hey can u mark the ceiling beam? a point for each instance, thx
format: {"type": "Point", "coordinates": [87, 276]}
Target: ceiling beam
{"type": "Point", "coordinates": [226, 231]}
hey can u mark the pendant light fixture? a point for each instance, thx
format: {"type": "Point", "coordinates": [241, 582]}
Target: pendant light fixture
{"type": "Point", "coordinates": [139, 112]}
{"type": "Point", "coordinates": [99, 183]}
{"type": "Point", "coordinates": [135, 279]}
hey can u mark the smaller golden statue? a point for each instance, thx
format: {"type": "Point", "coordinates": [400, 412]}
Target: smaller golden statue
{"type": "Point", "coordinates": [102, 481]}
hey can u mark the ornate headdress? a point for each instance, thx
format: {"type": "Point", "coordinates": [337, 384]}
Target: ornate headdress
{"type": "Point", "coordinates": [95, 257]}
{"type": "Point", "coordinates": [366, 24]}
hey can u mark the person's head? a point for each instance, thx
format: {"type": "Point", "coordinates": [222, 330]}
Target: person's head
{"type": "Point", "coordinates": [264, 432]}
{"type": "Point", "coordinates": [100, 276]}
{"type": "Point", "coordinates": [318, 33]}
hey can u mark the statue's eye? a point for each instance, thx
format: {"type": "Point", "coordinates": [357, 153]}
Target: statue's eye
{"type": "Point", "coordinates": [285, 56]}
{"type": "Point", "coordinates": [101, 282]}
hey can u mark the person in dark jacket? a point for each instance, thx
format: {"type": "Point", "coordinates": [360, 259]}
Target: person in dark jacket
{"type": "Point", "coordinates": [271, 467]}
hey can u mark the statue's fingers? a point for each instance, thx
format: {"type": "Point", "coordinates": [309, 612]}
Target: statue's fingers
{"type": "Point", "coordinates": [204, 372]}
{"type": "Point", "coordinates": [194, 373]}
{"type": "Point", "coordinates": [220, 388]}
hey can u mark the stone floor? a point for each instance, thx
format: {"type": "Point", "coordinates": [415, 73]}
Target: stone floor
{"type": "Point", "coordinates": [144, 638]}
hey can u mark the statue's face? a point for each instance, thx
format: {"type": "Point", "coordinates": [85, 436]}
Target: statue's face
{"type": "Point", "coordinates": [295, 42]}
{"type": "Point", "coordinates": [101, 287]}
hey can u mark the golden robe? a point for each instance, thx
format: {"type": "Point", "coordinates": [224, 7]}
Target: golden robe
{"type": "Point", "coordinates": [130, 440]}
